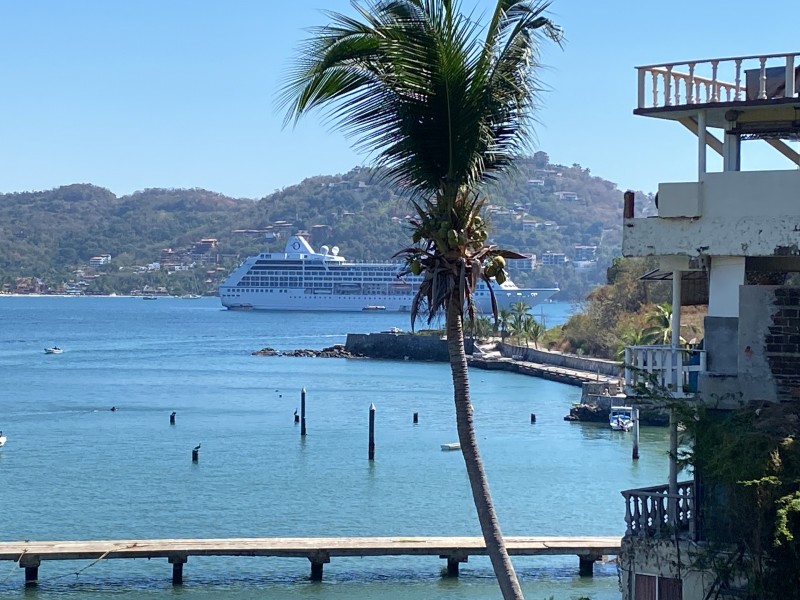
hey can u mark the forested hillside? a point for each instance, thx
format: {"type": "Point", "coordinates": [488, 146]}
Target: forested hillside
{"type": "Point", "coordinates": [539, 208]}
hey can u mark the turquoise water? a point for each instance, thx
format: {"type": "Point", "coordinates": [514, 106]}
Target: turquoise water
{"type": "Point", "coordinates": [73, 469]}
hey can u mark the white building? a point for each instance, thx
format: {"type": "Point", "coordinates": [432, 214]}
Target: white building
{"type": "Point", "coordinates": [98, 261]}
{"type": "Point", "coordinates": [732, 236]}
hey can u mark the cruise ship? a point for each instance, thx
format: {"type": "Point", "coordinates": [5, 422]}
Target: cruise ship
{"type": "Point", "coordinates": [299, 278]}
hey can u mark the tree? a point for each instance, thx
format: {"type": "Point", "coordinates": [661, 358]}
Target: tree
{"type": "Point", "coordinates": [446, 106]}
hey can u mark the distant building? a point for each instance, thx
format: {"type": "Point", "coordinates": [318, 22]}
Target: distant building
{"type": "Point", "coordinates": [99, 261]}
{"type": "Point", "coordinates": [553, 259]}
{"type": "Point", "coordinates": [529, 225]}
{"type": "Point", "coordinates": [567, 196]}
{"type": "Point", "coordinates": [516, 265]}
{"type": "Point", "coordinates": [584, 253]}
{"type": "Point", "coordinates": [536, 182]}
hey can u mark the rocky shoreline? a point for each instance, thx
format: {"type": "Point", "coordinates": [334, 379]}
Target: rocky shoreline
{"type": "Point", "coordinates": [335, 351]}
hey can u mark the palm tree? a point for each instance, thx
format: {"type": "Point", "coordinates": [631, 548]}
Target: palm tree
{"type": "Point", "coordinates": [503, 321]}
{"type": "Point", "coordinates": [533, 330]}
{"type": "Point", "coordinates": [446, 105]}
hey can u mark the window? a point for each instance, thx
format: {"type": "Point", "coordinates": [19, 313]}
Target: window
{"type": "Point", "coordinates": [651, 587]}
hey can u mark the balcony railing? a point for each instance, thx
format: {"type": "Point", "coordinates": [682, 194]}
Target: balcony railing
{"type": "Point", "coordinates": [648, 510]}
{"type": "Point", "coordinates": [663, 369]}
{"type": "Point", "coordinates": [718, 80]}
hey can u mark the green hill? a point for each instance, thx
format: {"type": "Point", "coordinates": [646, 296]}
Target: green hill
{"type": "Point", "coordinates": [50, 235]}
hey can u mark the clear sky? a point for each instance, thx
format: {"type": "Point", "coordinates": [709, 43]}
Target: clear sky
{"type": "Point", "coordinates": [134, 94]}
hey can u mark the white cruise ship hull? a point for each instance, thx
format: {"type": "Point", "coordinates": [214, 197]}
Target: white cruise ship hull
{"type": "Point", "coordinates": [302, 279]}
{"type": "Point", "coordinates": [298, 299]}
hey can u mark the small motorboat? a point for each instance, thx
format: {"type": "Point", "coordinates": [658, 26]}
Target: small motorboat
{"type": "Point", "coordinates": [620, 418]}
{"type": "Point", "coordinates": [451, 446]}
{"type": "Point", "coordinates": [53, 350]}
{"type": "Point", "coordinates": [374, 308]}
{"type": "Point", "coordinates": [2, 439]}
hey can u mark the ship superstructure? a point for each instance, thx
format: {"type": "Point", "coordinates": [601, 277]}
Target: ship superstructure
{"type": "Point", "coordinates": [300, 278]}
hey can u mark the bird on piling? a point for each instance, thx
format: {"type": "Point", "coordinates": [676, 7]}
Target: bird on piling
{"type": "Point", "coordinates": [196, 448]}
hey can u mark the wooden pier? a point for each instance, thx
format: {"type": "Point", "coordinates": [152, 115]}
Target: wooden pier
{"type": "Point", "coordinates": [30, 554]}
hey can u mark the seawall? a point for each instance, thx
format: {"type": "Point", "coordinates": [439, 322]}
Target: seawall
{"type": "Point", "coordinates": [401, 346]}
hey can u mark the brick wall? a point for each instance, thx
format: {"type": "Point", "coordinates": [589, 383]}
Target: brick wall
{"type": "Point", "coordinates": [782, 343]}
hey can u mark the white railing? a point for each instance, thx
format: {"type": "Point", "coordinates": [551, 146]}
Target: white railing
{"type": "Point", "coordinates": [737, 79]}
{"type": "Point", "coordinates": [647, 511]}
{"type": "Point", "coordinates": [663, 369]}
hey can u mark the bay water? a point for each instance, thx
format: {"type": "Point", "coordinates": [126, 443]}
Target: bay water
{"type": "Point", "coordinates": [72, 469]}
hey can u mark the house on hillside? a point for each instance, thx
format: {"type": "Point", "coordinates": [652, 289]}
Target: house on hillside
{"type": "Point", "coordinates": [730, 239]}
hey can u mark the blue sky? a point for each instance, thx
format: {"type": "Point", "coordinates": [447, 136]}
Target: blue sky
{"type": "Point", "coordinates": [181, 93]}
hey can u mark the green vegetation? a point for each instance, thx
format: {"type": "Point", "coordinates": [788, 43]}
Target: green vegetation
{"type": "Point", "coordinates": [747, 466]}
{"type": "Point", "coordinates": [50, 234]}
{"type": "Point", "coordinates": [444, 109]}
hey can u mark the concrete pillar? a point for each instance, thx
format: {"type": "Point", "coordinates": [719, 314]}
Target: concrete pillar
{"type": "Point", "coordinates": [701, 145]}
{"type": "Point", "coordinates": [726, 274]}
{"type": "Point", "coordinates": [586, 565]}
{"type": "Point", "coordinates": [177, 563]}
{"type": "Point", "coordinates": [31, 566]}
{"type": "Point", "coordinates": [318, 560]}
{"type": "Point", "coordinates": [453, 561]}
{"type": "Point", "coordinates": [731, 152]}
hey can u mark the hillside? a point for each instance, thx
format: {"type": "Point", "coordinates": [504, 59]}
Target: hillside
{"type": "Point", "coordinates": [539, 208]}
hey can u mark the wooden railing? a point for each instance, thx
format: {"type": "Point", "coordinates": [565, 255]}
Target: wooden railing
{"type": "Point", "coordinates": [648, 511]}
{"type": "Point", "coordinates": [663, 369]}
{"type": "Point", "coordinates": [733, 79]}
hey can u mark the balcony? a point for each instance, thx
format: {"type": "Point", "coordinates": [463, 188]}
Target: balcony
{"type": "Point", "coordinates": [661, 370]}
{"type": "Point", "coordinates": [653, 512]}
{"type": "Point", "coordinates": [718, 81]}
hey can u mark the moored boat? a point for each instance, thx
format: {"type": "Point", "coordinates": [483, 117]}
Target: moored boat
{"type": "Point", "coordinates": [53, 350]}
{"type": "Point", "coordinates": [620, 418]}
{"type": "Point", "coordinates": [451, 446]}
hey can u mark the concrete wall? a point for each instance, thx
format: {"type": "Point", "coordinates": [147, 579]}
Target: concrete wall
{"type": "Point", "coordinates": [721, 341]}
{"type": "Point", "coordinates": [663, 558]}
{"type": "Point", "coordinates": [568, 361]}
{"type": "Point", "coordinates": [744, 213]}
{"type": "Point", "coordinates": [401, 346]}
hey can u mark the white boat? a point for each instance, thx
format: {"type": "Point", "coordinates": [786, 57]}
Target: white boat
{"type": "Point", "coordinates": [374, 308]}
{"type": "Point", "coordinates": [451, 446]}
{"type": "Point", "coordinates": [299, 278]}
{"type": "Point", "coordinates": [2, 439]}
{"type": "Point", "coordinates": [53, 350]}
{"type": "Point", "coordinates": [620, 418]}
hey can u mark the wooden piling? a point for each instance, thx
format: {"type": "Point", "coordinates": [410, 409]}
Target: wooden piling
{"type": "Point", "coordinates": [635, 436]}
{"type": "Point", "coordinates": [303, 412]}
{"type": "Point", "coordinates": [195, 453]}
{"type": "Point", "coordinates": [416, 418]}
{"type": "Point", "coordinates": [371, 431]}
{"type": "Point", "coordinates": [172, 418]}
{"type": "Point", "coordinates": [533, 418]}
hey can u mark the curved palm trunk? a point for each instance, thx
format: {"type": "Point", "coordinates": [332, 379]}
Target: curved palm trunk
{"type": "Point", "coordinates": [493, 537]}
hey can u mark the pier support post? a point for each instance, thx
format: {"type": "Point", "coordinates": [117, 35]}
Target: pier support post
{"type": "Point", "coordinates": [31, 566]}
{"type": "Point", "coordinates": [303, 412]}
{"type": "Point", "coordinates": [318, 560]}
{"type": "Point", "coordinates": [415, 420]}
{"type": "Point", "coordinates": [172, 418]}
{"type": "Point", "coordinates": [586, 564]}
{"type": "Point", "coordinates": [453, 561]}
{"type": "Point", "coordinates": [177, 563]}
{"type": "Point", "coordinates": [371, 449]}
